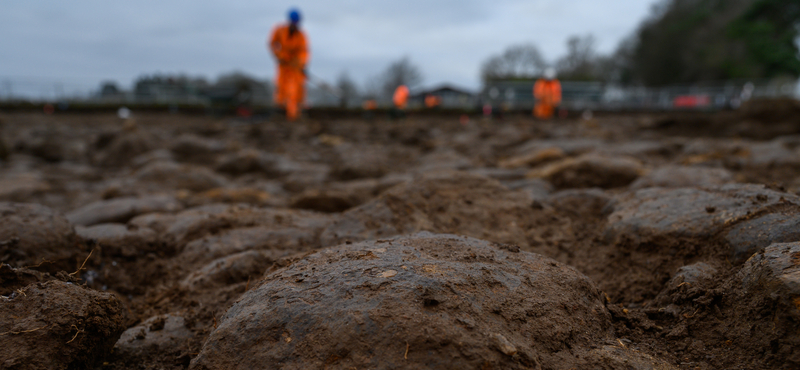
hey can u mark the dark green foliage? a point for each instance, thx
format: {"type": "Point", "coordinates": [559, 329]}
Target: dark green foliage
{"type": "Point", "coordinates": [686, 41]}
{"type": "Point", "coordinates": [769, 29]}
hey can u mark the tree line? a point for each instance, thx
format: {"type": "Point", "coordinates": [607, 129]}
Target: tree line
{"type": "Point", "coordinates": [680, 42]}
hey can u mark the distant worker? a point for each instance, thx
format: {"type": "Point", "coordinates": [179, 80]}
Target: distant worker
{"type": "Point", "coordinates": [288, 44]}
{"type": "Point", "coordinates": [432, 101]}
{"type": "Point", "coordinates": [400, 100]}
{"type": "Point", "coordinates": [547, 92]}
{"type": "Point", "coordinates": [400, 97]}
{"type": "Point", "coordinates": [369, 106]}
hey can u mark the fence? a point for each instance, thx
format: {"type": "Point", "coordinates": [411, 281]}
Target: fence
{"type": "Point", "coordinates": [518, 94]}
{"type": "Point", "coordinates": [507, 94]}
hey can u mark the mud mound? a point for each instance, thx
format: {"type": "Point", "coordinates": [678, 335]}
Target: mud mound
{"type": "Point", "coordinates": [590, 170]}
{"type": "Point", "coordinates": [169, 175]}
{"type": "Point", "coordinates": [246, 161]}
{"type": "Point", "coordinates": [747, 318]}
{"type": "Point", "coordinates": [38, 237]}
{"type": "Point", "coordinates": [765, 295]}
{"type": "Point", "coordinates": [341, 196]}
{"type": "Point", "coordinates": [684, 176]}
{"type": "Point", "coordinates": [775, 153]}
{"type": "Point", "coordinates": [21, 187]}
{"type": "Point", "coordinates": [442, 160]}
{"type": "Point", "coordinates": [12, 279]}
{"type": "Point", "coordinates": [114, 149]}
{"type": "Point", "coordinates": [353, 162]}
{"type": "Point", "coordinates": [760, 119]}
{"type": "Point", "coordinates": [423, 301]}
{"type": "Point", "coordinates": [280, 240]}
{"type": "Point", "coordinates": [196, 149]}
{"type": "Point", "coordinates": [156, 155]}
{"type": "Point", "coordinates": [659, 216]}
{"type": "Point", "coordinates": [58, 325]}
{"type": "Point", "coordinates": [580, 203]}
{"type": "Point", "coordinates": [451, 202]}
{"type": "Point", "coordinates": [163, 334]}
{"type": "Point", "coordinates": [753, 235]}
{"type": "Point", "coordinates": [771, 110]}
{"type": "Point", "coordinates": [533, 158]}
{"type": "Point", "coordinates": [653, 232]}
{"type": "Point", "coordinates": [232, 195]}
{"type": "Point", "coordinates": [122, 209]}
{"type": "Point", "coordinates": [214, 221]}
{"type": "Point", "coordinates": [119, 239]}
{"type": "Point", "coordinates": [229, 270]}
{"type": "Point", "coordinates": [46, 144]}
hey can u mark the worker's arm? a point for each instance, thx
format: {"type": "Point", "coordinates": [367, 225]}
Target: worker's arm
{"type": "Point", "coordinates": [300, 59]}
{"type": "Point", "coordinates": [303, 54]}
{"type": "Point", "coordinates": [538, 89]}
{"type": "Point", "coordinates": [276, 47]}
{"type": "Point", "coordinates": [556, 92]}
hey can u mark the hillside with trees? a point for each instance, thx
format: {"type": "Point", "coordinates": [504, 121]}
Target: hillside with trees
{"type": "Point", "coordinates": [685, 41]}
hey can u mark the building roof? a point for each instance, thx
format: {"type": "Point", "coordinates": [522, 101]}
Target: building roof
{"type": "Point", "coordinates": [443, 88]}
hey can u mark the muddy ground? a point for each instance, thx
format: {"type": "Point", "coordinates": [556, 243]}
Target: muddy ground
{"type": "Point", "coordinates": [621, 242]}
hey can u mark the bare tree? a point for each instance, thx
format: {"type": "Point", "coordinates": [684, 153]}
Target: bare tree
{"type": "Point", "coordinates": [517, 61]}
{"type": "Point", "coordinates": [400, 72]}
{"type": "Point", "coordinates": [582, 61]}
{"type": "Point", "coordinates": [373, 87]}
{"type": "Point", "coordinates": [347, 89]}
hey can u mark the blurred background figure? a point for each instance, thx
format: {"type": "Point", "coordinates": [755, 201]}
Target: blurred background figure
{"type": "Point", "coordinates": [432, 101]}
{"type": "Point", "coordinates": [400, 99]}
{"type": "Point", "coordinates": [369, 106]}
{"type": "Point", "coordinates": [288, 44]}
{"type": "Point", "coordinates": [547, 92]}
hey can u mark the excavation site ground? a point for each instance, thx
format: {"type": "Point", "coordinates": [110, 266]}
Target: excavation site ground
{"type": "Point", "coordinates": [625, 241]}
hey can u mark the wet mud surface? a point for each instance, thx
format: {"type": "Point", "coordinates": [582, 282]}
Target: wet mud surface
{"type": "Point", "coordinates": [624, 242]}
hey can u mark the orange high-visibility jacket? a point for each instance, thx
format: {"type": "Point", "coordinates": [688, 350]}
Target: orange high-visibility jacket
{"type": "Point", "coordinates": [547, 92]}
{"type": "Point", "coordinates": [432, 101]}
{"type": "Point", "coordinates": [401, 96]}
{"type": "Point", "coordinates": [291, 51]}
{"type": "Point", "coordinates": [370, 104]}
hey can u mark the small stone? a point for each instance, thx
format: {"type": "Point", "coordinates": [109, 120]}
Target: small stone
{"type": "Point", "coordinates": [504, 345]}
{"type": "Point", "coordinates": [388, 274]}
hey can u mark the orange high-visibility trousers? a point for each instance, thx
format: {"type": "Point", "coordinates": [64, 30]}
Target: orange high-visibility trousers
{"type": "Point", "coordinates": [432, 101]}
{"type": "Point", "coordinates": [548, 97]}
{"type": "Point", "coordinates": [290, 90]}
{"type": "Point", "coordinates": [544, 110]}
{"type": "Point", "coordinates": [291, 51]}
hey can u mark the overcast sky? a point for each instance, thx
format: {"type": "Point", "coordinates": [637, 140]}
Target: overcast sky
{"type": "Point", "coordinates": [81, 43]}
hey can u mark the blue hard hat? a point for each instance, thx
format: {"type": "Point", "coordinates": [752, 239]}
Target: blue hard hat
{"type": "Point", "coordinates": [294, 15]}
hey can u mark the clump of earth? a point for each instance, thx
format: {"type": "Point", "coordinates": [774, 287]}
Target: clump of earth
{"type": "Point", "coordinates": [193, 242]}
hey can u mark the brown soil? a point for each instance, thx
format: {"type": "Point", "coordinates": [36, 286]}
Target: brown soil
{"type": "Point", "coordinates": [640, 231]}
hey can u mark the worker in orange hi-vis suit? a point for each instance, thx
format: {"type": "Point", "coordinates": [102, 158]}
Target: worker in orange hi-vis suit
{"type": "Point", "coordinates": [400, 97]}
{"type": "Point", "coordinates": [290, 48]}
{"type": "Point", "coordinates": [547, 92]}
{"type": "Point", "coordinates": [432, 101]}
